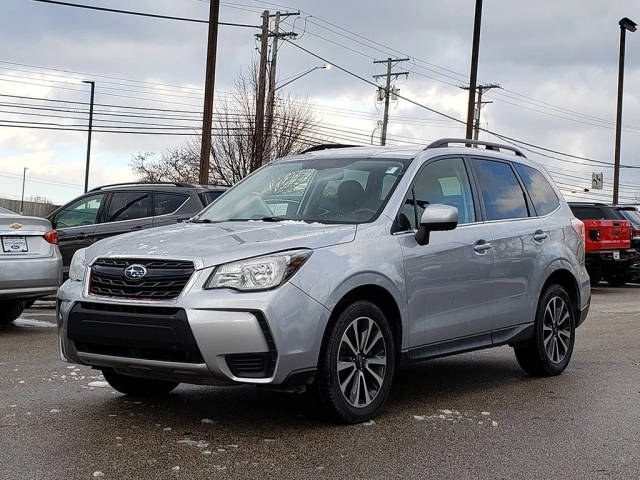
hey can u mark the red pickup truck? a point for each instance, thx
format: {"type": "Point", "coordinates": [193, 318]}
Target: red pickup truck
{"type": "Point", "coordinates": [608, 251]}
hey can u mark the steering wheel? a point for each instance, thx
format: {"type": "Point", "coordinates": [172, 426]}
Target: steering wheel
{"type": "Point", "coordinates": [360, 211]}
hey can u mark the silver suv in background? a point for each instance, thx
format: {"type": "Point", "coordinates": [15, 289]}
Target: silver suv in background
{"type": "Point", "coordinates": [30, 262]}
{"type": "Point", "coordinates": [329, 269]}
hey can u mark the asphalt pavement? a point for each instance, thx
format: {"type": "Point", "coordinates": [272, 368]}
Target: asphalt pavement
{"type": "Point", "coordinates": [472, 416]}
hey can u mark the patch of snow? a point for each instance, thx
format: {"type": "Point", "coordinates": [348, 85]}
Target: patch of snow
{"type": "Point", "coordinates": [54, 410]}
{"type": "Point", "coordinates": [494, 423]}
{"type": "Point", "coordinates": [167, 429]}
{"type": "Point", "coordinates": [207, 421]}
{"type": "Point", "coordinates": [370, 422]}
{"type": "Point", "coordinates": [30, 322]}
{"type": "Point", "coordinates": [97, 474]}
{"type": "Point", "coordinates": [176, 468]}
{"type": "Point", "coordinates": [485, 413]}
{"type": "Point", "coordinates": [418, 417]}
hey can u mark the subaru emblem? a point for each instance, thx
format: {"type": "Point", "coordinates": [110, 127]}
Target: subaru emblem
{"type": "Point", "coordinates": [135, 272]}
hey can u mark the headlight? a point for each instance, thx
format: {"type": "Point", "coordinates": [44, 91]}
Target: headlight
{"type": "Point", "coordinates": [259, 273]}
{"type": "Point", "coordinates": [78, 266]}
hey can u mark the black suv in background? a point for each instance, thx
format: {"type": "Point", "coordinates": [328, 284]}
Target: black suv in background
{"type": "Point", "coordinates": [120, 208]}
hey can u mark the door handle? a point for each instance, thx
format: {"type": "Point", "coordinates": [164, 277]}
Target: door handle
{"type": "Point", "coordinates": [481, 246]}
{"type": "Point", "coordinates": [540, 236]}
{"type": "Point", "coordinates": [81, 236]}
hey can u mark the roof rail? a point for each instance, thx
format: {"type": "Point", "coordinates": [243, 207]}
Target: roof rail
{"type": "Point", "coordinates": [327, 146]}
{"type": "Point", "coordinates": [444, 142]}
{"type": "Point", "coordinates": [133, 184]}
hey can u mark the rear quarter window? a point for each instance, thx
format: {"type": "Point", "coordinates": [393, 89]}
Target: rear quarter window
{"type": "Point", "coordinates": [540, 191]}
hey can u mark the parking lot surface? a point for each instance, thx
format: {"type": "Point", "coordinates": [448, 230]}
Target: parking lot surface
{"type": "Point", "coordinates": [476, 415]}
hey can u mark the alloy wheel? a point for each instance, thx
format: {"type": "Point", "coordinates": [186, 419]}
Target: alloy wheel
{"type": "Point", "coordinates": [556, 329]}
{"type": "Point", "coordinates": [362, 361]}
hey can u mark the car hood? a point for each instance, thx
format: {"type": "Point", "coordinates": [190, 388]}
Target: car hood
{"type": "Point", "coordinates": [210, 244]}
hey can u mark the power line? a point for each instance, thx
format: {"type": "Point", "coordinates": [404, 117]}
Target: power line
{"type": "Point", "coordinates": [141, 14]}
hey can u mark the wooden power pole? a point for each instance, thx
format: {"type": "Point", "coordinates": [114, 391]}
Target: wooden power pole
{"type": "Point", "coordinates": [271, 97]}
{"type": "Point", "coordinates": [258, 144]}
{"type": "Point", "coordinates": [387, 91]}
{"type": "Point", "coordinates": [473, 77]}
{"type": "Point", "coordinates": [478, 107]}
{"type": "Point", "coordinates": [210, 79]}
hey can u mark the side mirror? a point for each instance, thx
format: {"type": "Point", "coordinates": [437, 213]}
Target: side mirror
{"type": "Point", "coordinates": [436, 217]}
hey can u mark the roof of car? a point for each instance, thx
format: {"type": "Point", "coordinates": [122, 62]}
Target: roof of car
{"type": "Point", "coordinates": [445, 146]}
{"type": "Point", "coordinates": [158, 186]}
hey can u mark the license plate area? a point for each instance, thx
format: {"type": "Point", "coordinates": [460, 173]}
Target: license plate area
{"type": "Point", "coordinates": [14, 244]}
{"type": "Point", "coordinates": [616, 255]}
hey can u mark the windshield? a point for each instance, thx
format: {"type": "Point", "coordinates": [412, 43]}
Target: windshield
{"type": "Point", "coordinates": [316, 190]}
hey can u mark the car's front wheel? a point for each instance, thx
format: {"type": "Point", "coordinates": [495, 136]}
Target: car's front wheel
{"type": "Point", "coordinates": [549, 351]}
{"type": "Point", "coordinates": [357, 363]}
{"type": "Point", "coordinates": [10, 310]}
{"type": "Point", "coordinates": [137, 387]}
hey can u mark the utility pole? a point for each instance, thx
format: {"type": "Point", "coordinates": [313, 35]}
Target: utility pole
{"type": "Point", "coordinates": [209, 83]}
{"type": "Point", "coordinates": [24, 177]}
{"type": "Point", "coordinates": [271, 98]}
{"type": "Point", "coordinates": [478, 107]}
{"type": "Point", "coordinates": [387, 91]}
{"type": "Point", "coordinates": [258, 146]}
{"type": "Point", "coordinates": [86, 168]}
{"type": "Point", "coordinates": [473, 77]}
{"type": "Point", "coordinates": [625, 24]}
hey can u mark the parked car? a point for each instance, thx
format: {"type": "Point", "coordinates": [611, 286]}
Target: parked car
{"type": "Point", "coordinates": [632, 213]}
{"type": "Point", "coordinates": [328, 269]}
{"type": "Point", "coordinates": [121, 208]}
{"type": "Point", "coordinates": [609, 255]}
{"type": "Point", "coordinates": [30, 263]}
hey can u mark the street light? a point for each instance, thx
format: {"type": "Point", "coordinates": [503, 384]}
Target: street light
{"type": "Point", "coordinates": [326, 66]}
{"type": "Point", "coordinates": [625, 24]}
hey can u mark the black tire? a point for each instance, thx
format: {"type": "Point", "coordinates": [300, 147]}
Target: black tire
{"type": "Point", "coordinates": [10, 310]}
{"type": "Point", "coordinates": [366, 365]}
{"type": "Point", "coordinates": [137, 387]}
{"type": "Point", "coordinates": [534, 355]}
{"type": "Point", "coordinates": [595, 277]}
{"type": "Point", "coordinates": [29, 303]}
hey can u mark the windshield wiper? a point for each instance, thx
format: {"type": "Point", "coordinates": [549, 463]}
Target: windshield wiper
{"type": "Point", "coordinates": [258, 219]}
{"type": "Point", "coordinates": [201, 220]}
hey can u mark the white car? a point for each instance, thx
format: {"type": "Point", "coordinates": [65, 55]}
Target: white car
{"type": "Point", "coordinates": [30, 262]}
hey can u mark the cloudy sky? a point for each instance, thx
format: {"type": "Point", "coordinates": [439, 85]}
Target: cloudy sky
{"type": "Point", "coordinates": [555, 61]}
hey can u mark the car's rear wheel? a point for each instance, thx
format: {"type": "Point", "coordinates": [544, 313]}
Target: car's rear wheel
{"type": "Point", "coordinates": [138, 387]}
{"type": "Point", "coordinates": [357, 363]}
{"type": "Point", "coordinates": [10, 310]}
{"type": "Point", "coordinates": [549, 351]}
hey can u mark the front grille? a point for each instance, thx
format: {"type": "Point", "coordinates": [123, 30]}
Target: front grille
{"type": "Point", "coordinates": [150, 333]}
{"type": "Point", "coordinates": [164, 279]}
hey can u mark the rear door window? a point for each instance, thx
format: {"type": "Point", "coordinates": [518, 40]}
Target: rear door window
{"type": "Point", "coordinates": [166, 203]}
{"type": "Point", "coordinates": [540, 191]}
{"type": "Point", "coordinates": [501, 192]}
{"type": "Point", "coordinates": [129, 206]}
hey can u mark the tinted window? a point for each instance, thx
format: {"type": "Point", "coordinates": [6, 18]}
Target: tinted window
{"type": "Point", "coordinates": [443, 181]}
{"type": "Point", "coordinates": [503, 197]}
{"type": "Point", "coordinates": [165, 203]}
{"type": "Point", "coordinates": [128, 206]}
{"type": "Point", "coordinates": [82, 212]}
{"type": "Point", "coordinates": [595, 212]}
{"type": "Point", "coordinates": [542, 195]}
{"type": "Point", "coordinates": [210, 196]}
{"type": "Point", "coordinates": [633, 216]}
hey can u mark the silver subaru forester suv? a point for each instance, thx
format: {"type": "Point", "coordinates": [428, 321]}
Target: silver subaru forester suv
{"type": "Point", "coordinates": [331, 268]}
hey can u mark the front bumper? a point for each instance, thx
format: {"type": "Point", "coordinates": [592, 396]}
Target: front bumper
{"type": "Point", "coordinates": [30, 277]}
{"type": "Point", "coordinates": [231, 331]}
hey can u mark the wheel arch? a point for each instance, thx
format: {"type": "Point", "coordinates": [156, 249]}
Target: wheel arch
{"type": "Point", "coordinates": [568, 281]}
{"type": "Point", "coordinates": [379, 296]}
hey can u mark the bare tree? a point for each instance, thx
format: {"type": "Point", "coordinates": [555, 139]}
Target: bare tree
{"type": "Point", "coordinates": [233, 145]}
